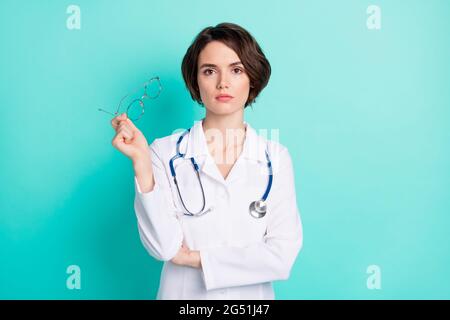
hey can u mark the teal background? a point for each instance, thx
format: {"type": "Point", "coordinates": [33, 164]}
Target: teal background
{"type": "Point", "coordinates": [364, 113]}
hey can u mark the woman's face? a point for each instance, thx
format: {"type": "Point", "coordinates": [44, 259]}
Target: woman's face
{"type": "Point", "coordinates": [220, 72]}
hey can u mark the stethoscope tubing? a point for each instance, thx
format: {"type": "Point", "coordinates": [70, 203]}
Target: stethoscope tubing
{"type": "Point", "coordinates": [257, 208]}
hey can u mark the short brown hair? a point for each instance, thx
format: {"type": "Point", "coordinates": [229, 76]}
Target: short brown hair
{"type": "Point", "coordinates": [242, 42]}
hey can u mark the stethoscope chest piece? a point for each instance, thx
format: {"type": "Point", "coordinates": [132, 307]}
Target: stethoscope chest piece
{"type": "Point", "coordinates": [258, 209]}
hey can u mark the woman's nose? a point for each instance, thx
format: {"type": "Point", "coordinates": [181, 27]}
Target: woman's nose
{"type": "Point", "coordinates": [223, 83]}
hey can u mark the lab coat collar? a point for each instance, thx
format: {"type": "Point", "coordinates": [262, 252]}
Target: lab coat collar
{"type": "Point", "coordinates": [254, 145]}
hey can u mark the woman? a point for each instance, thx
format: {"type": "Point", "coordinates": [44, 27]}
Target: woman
{"type": "Point", "coordinates": [215, 242]}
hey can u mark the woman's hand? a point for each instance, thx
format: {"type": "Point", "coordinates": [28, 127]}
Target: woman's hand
{"type": "Point", "coordinates": [128, 139]}
{"type": "Point", "coordinates": [187, 257]}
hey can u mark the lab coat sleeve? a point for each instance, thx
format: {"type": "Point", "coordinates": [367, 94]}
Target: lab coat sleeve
{"type": "Point", "coordinates": [273, 257]}
{"type": "Point", "coordinates": [159, 228]}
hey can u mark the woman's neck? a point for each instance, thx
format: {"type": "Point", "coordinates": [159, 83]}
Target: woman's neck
{"type": "Point", "coordinates": [224, 131]}
{"type": "Point", "coordinates": [224, 122]}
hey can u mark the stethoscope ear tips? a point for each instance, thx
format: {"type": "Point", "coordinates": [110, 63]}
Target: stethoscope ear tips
{"type": "Point", "coordinates": [258, 209]}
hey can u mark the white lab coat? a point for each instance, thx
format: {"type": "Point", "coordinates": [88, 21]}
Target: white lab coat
{"type": "Point", "coordinates": [240, 255]}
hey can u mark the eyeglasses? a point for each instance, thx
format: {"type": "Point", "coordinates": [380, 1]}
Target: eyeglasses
{"type": "Point", "coordinates": [135, 109]}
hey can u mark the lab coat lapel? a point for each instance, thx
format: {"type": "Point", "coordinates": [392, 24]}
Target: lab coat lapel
{"type": "Point", "coordinates": [198, 149]}
{"type": "Point", "coordinates": [253, 154]}
{"type": "Point", "coordinates": [210, 168]}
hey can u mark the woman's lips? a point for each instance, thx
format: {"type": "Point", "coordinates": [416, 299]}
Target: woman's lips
{"type": "Point", "coordinates": [224, 98]}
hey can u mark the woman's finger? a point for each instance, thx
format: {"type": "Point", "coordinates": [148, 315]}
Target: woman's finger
{"type": "Point", "coordinates": [131, 124]}
{"type": "Point", "coordinates": [117, 140]}
{"type": "Point", "coordinates": [127, 133]}
{"type": "Point", "coordinates": [122, 136]}
{"type": "Point", "coordinates": [127, 124]}
{"type": "Point", "coordinates": [124, 125]}
{"type": "Point", "coordinates": [116, 120]}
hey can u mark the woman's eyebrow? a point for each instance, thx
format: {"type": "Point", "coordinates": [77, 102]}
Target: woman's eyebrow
{"type": "Point", "coordinates": [210, 65]}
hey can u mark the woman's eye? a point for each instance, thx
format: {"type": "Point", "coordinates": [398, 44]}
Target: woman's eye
{"type": "Point", "coordinates": [211, 71]}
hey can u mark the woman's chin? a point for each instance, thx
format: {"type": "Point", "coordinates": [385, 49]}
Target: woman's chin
{"type": "Point", "coordinates": [222, 108]}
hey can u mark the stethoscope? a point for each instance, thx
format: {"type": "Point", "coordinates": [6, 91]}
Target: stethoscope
{"type": "Point", "coordinates": [257, 208]}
